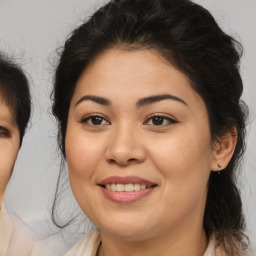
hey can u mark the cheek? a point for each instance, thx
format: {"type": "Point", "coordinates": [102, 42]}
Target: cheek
{"type": "Point", "coordinates": [184, 163]}
{"type": "Point", "coordinates": [83, 153]}
{"type": "Point", "coordinates": [179, 154]}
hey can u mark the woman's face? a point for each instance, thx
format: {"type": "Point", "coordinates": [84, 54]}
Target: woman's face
{"type": "Point", "coordinates": [9, 145]}
{"type": "Point", "coordinates": [135, 121]}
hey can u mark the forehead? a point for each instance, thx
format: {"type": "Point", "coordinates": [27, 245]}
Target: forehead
{"type": "Point", "coordinates": [139, 73]}
{"type": "Point", "coordinates": [6, 114]}
{"type": "Point", "coordinates": [133, 63]}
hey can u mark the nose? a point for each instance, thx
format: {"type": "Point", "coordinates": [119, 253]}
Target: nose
{"type": "Point", "coordinates": [125, 147]}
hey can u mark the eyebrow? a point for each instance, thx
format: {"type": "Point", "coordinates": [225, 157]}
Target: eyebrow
{"type": "Point", "coordinates": [97, 99]}
{"type": "Point", "coordinates": [156, 98]}
{"type": "Point", "coordinates": [141, 102]}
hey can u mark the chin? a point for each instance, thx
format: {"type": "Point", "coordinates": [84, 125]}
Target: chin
{"type": "Point", "coordinates": [128, 230]}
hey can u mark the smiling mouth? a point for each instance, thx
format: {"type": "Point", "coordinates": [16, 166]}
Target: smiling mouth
{"type": "Point", "coordinates": [127, 187]}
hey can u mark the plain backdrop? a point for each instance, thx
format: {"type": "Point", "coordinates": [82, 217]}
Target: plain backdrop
{"type": "Point", "coordinates": [32, 30]}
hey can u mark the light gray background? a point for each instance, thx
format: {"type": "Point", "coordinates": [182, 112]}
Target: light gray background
{"type": "Point", "coordinates": [33, 29]}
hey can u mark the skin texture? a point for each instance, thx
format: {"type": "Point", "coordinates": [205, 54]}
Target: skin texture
{"type": "Point", "coordinates": [177, 154]}
{"type": "Point", "coordinates": [9, 146]}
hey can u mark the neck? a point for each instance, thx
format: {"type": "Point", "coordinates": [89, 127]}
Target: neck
{"type": "Point", "coordinates": [191, 243]}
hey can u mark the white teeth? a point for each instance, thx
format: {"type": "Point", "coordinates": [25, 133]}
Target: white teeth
{"type": "Point", "coordinates": [136, 187]}
{"type": "Point", "coordinates": [119, 187]}
{"type": "Point", "coordinates": [143, 186]}
{"type": "Point", "coordinates": [128, 187]}
{"type": "Point", "coordinates": [125, 187]}
{"type": "Point", "coordinates": [113, 187]}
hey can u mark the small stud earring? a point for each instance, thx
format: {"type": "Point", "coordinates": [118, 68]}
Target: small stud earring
{"type": "Point", "coordinates": [219, 166]}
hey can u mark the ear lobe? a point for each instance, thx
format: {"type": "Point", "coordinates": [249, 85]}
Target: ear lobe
{"type": "Point", "coordinates": [224, 149]}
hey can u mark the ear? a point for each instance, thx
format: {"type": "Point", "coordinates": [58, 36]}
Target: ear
{"type": "Point", "coordinates": [224, 149]}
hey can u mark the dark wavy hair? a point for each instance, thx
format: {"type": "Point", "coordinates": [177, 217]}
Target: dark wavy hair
{"type": "Point", "coordinates": [189, 38]}
{"type": "Point", "coordinates": [14, 91]}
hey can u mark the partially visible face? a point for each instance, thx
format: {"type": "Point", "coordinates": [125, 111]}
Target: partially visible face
{"type": "Point", "coordinates": [138, 146]}
{"type": "Point", "coordinates": [9, 145]}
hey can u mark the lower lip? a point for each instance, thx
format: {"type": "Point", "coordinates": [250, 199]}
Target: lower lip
{"type": "Point", "coordinates": [126, 197]}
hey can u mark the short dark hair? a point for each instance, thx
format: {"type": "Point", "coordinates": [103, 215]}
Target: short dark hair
{"type": "Point", "coordinates": [14, 91]}
{"type": "Point", "coordinates": [189, 38]}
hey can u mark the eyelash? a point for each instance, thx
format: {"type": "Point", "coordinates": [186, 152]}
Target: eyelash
{"type": "Point", "coordinates": [163, 118]}
{"type": "Point", "coordinates": [88, 120]}
{"type": "Point", "coordinates": [4, 133]}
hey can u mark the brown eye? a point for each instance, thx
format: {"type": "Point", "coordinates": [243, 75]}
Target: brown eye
{"type": "Point", "coordinates": [157, 120]}
{"type": "Point", "coordinates": [95, 120]}
{"type": "Point", "coordinates": [160, 121]}
{"type": "Point", "coordinates": [4, 133]}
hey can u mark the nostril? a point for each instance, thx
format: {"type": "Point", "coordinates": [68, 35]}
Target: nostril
{"type": "Point", "coordinates": [111, 161]}
{"type": "Point", "coordinates": [132, 160]}
{"type": "Point", "coordinates": [122, 161]}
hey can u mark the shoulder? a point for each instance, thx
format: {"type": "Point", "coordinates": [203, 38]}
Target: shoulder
{"type": "Point", "coordinates": [22, 238]}
{"type": "Point", "coordinates": [245, 254]}
{"type": "Point", "coordinates": [6, 228]}
{"type": "Point", "coordinates": [54, 244]}
{"type": "Point", "coordinates": [214, 249]}
{"type": "Point", "coordinates": [221, 252]}
{"type": "Point", "coordinates": [88, 245]}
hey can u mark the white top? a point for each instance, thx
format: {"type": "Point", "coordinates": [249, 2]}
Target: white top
{"type": "Point", "coordinates": [6, 227]}
{"type": "Point", "coordinates": [89, 245]}
{"type": "Point", "coordinates": [15, 238]}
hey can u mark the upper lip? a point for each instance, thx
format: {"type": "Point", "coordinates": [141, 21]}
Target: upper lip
{"type": "Point", "coordinates": [126, 180]}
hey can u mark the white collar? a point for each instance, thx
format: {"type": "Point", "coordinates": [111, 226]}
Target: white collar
{"type": "Point", "coordinates": [6, 228]}
{"type": "Point", "coordinates": [90, 243]}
